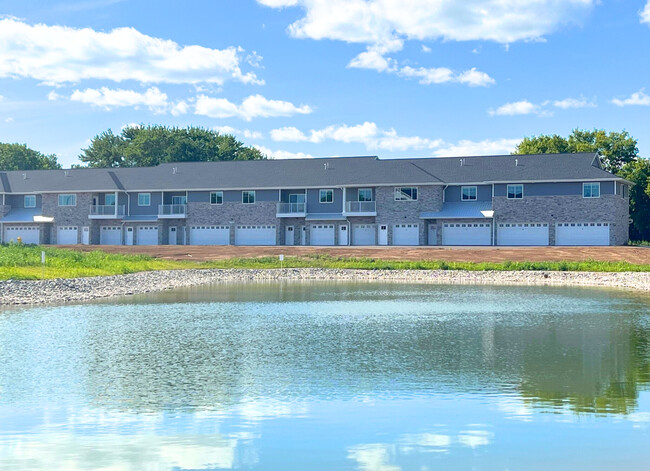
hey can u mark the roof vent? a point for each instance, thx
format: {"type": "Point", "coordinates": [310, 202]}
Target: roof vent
{"type": "Point", "coordinates": [66, 173]}
{"type": "Point", "coordinates": [24, 176]}
{"type": "Point", "coordinates": [174, 170]}
{"type": "Point", "coordinates": [328, 165]}
{"type": "Point", "coordinates": [516, 162]}
{"type": "Point", "coordinates": [462, 162]}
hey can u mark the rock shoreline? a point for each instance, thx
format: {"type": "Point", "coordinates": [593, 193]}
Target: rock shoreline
{"type": "Point", "coordinates": [16, 292]}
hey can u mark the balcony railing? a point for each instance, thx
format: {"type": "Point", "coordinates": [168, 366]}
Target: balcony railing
{"type": "Point", "coordinates": [106, 210]}
{"type": "Point", "coordinates": [292, 208]}
{"type": "Point", "coordinates": [361, 207]}
{"type": "Point", "coordinates": [172, 210]}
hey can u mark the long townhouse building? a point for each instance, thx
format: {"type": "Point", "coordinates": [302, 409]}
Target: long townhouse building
{"type": "Point", "coordinates": [552, 199]}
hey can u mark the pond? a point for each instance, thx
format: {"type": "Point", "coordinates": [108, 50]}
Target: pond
{"type": "Point", "coordinates": [330, 376]}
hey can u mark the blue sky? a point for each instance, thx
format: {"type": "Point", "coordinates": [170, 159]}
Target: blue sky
{"type": "Point", "coordinates": [296, 78]}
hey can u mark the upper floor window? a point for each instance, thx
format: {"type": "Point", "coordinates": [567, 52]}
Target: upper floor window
{"type": "Point", "coordinates": [468, 193]}
{"type": "Point", "coordinates": [30, 201]}
{"type": "Point", "coordinates": [67, 200]}
{"type": "Point", "coordinates": [109, 200]}
{"type": "Point", "coordinates": [591, 190]}
{"type": "Point", "coordinates": [144, 199]}
{"type": "Point", "coordinates": [515, 192]}
{"type": "Point", "coordinates": [365, 194]}
{"type": "Point", "coordinates": [326, 196]}
{"type": "Point", "coordinates": [216, 197]}
{"type": "Point", "coordinates": [179, 199]}
{"type": "Point", "coordinates": [406, 194]}
{"type": "Point", "coordinates": [248, 197]}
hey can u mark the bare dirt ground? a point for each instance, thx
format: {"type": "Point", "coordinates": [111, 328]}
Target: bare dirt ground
{"type": "Point", "coordinates": [637, 255]}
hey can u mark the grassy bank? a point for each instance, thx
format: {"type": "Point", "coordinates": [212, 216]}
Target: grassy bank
{"type": "Point", "coordinates": [24, 262]}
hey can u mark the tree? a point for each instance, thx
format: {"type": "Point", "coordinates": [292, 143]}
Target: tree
{"type": "Point", "coordinates": [139, 146]}
{"type": "Point", "coordinates": [21, 157]}
{"type": "Point", "coordinates": [638, 172]}
{"type": "Point", "coordinates": [616, 148]}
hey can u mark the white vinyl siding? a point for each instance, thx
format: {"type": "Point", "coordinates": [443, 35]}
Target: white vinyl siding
{"type": "Point", "coordinates": [406, 194]}
{"type": "Point", "coordinates": [326, 196]}
{"type": "Point", "coordinates": [216, 197]}
{"type": "Point", "coordinates": [67, 200]}
{"type": "Point", "coordinates": [515, 191]}
{"type": "Point", "coordinates": [29, 201]}
{"type": "Point", "coordinates": [468, 193]}
{"type": "Point", "coordinates": [144, 199]}
{"type": "Point", "coordinates": [591, 190]}
{"type": "Point", "coordinates": [248, 197]}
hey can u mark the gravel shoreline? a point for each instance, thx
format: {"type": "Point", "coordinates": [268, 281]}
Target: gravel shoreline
{"type": "Point", "coordinates": [14, 292]}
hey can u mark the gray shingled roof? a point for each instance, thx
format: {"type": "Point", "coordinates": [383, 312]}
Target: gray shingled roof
{"type": "Point", "coordinates": [300, 173]}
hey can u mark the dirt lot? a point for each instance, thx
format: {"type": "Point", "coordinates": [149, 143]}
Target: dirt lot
{"type": "Point", "coordinates": [637, 255]}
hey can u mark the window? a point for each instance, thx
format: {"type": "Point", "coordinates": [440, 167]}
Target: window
{"type": "Point", "coordinates": [515, 192]}
{"type": "Point", "coordinates": [297, 198]}
{"type": "Point", "coordinates": [179, 199]}
{"type": "Point", "coordinates": [30, 201]}
{"type": "Point", "coordinates": [365, 194]}
{"type": "Point", "coordinates": [109, 200]}
{"type": "Point", "coordinates": [406, 194]}
{"type": "Point", "coordinates": [216, 197]}
{"type": "Point", "coordinates": [67, 200]}
{"type": "Point", "coordinates": [144, 199]}
{"type": "Point", "coordinates": [326, 196]}
{"type": "Point", "coordinates": [468, 193]}
{"type": "Point", "coordinates": [591, 190]}
{"type": "Point", "coordinates": [248, 197]}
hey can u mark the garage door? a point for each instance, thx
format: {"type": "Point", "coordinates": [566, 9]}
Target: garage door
{"type": "Point", "coordinates": [321, 234]}
{"type": "Point", "coordinates": [467, 233]}
{"type": "Point", "coordinates": [110, 235]}
{"type": "Point", "coordinates": [67, 235]}
{"type": "Point", "coordinates": [523, 234]}
{"type": "Point", "coordinates": [406, 234]}
{"type": "Point", "coordinates": [209, 235]}
{"type": "Point", "coordinates": [28, 234]}
{"type": "Point", "coordinates": [582, 233]}
{"type": "Point", "coordinates": [364, 234]}
{"type": "Point", "coordinates": [147, 235]}
{"type": "Point", "coordinates": [255, 235]}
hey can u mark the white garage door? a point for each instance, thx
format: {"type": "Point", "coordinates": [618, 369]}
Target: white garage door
{"type": "Point", "coordinates": [582, 233]}
{"type": "Point", "coordinates": [321, 234]}
{"type": "Point", "coordinates": [406, 234]}
{"type": "Point", "coordinates": [28, 234]}
{"type": "Point", "coordinates": [67, 235]}
{"type": "Point", "coordinates": [364, 234]}
{"type": "Point", "coordinates": [209, 235]}
{"type": "Point", "coordinates": [470, 233]}
{"type": "Point", "coordinates": [110, 235]}
{"type": "Point", "coordinates": [255, 235]}
{"type": "Point", "coordinates": [147, 235]}
{"type": "Point", "coordinates": [523, 234]}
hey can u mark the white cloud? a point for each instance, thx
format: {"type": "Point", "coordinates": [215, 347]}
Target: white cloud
{"type": "Point", "coordinates": [57, 55]}
{"type": "Point", "coordinates": [282, 154]}
{"type": "Point", "coordinates": [9, 120]}
{"type": "Point", "coordinates": [107, 98]}
{"type": "Point", "coordinates": [428, 76]}
{"type": "Point", "coordinates": [426, 49]}
{"type": "Point", "coordinates": [182, 107]}
{"type": "Point", "coordinates": [475, 78]}
{"type": "Point", "coordinates": [53, 96]}
{"type": "Point", "coordinates": [516, 108]}
{"type": "Point", "coordinates": [485, 147]}
{"type": "Point", "coordinates": [278, 3]}
{"type": "Point", "coordinates": [574, 103]}
{"type": "Point", "coordinates": [639, 98]}
{"type": "Point", "coordinates": [645, 14]}
{"type": "Point", "coordinates": [247, 133]}
{"type": "Point", "coordinates": [288, 134]}
{"type": "Point", "coordinates": [254, 106]}
{"type": "Point", "coordinates": [374, 60]}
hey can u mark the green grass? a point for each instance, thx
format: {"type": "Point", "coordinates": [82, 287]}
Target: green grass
{"type": "Point", "coordinates": [24, 262]}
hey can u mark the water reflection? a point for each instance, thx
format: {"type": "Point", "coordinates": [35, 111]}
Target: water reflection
{"type": "Point", "coordinates": [355, 375]}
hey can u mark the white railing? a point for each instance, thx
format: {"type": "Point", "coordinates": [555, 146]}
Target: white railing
{"type": "Point", "coordinates": [291, 208]}
{"type": "Point", "coordinates": [106, 210]}
{"type": "Point", "coordinates": [361, 207]}
{"type": "Point", "coordinates": [172, 209]}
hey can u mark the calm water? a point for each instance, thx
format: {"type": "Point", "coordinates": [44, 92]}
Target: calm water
{"type": "Point", "coordinates": [332, 377]}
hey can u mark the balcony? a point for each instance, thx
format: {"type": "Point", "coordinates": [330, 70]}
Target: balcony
{"type": "Point", "coordinates": [172, 211]}
{"type": "Point", "coordinates": [361, 208]}
{"type": "Point", "coordinates": [106, 211]}
{"type": "Point", "coordinates": [291, 210]}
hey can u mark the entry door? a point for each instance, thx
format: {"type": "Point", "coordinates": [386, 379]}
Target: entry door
{"type": "Point", "coordinates": [129, 236]}
{"type": "Point", "coordinates": [288, 236]}
{"type": "Point", "coordinates": [303, 236]}
{"type": "Point", "coordinates": [383, 234]}
{"type": "Point", "coordinates": [173, 239]}
{"type": "Point", "coordinates": [343, 235]}
{"type": "Point", "coordinates": [85, 235]}
{"type": "Point", "coordinates": [433, 235]}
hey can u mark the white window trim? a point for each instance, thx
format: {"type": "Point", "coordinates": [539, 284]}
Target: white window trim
{"type": "Point", "coordinates": [590, 183]}
{"type": "Point", "coordinates": [508, 192]}
{"type": "Point", "coordinates": [398, 189]}
{"type": "Point", "coordinates": [320, 195]}
{"type": "Point", "coordinates": [364, 189]}
{"type": "Point", "coordinates": [149, 203]}
{"type": "Point", "coordinates": [215, 198]}
{"type": "Point", "coordinates": [469, 186]}
{"type": "Point", "coordinates": [74, 198]}
{"type": "Point", "coordinates": [25, 201]}
{"type": "Point", "coordinates": [248, 192]}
